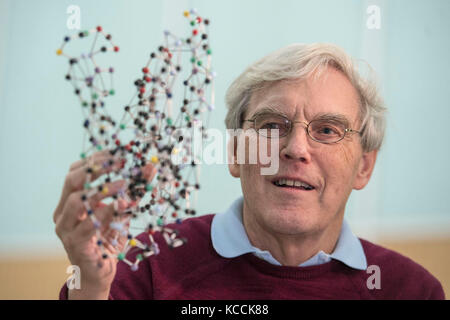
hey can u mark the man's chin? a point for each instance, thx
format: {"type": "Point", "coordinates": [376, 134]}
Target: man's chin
{"type": "Point", "coordinates": [291, 223]}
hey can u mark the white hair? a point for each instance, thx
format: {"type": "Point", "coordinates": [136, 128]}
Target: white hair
{"type": "Point", "coordinates": [299, 61]}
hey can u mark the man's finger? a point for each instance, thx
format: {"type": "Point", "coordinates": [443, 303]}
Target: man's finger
{"type": "Point", "coordinates": [149, 171]}
{"type": "Point", "coordinates": [76, 178]}
{"type": "Point", "coordinates": [86, 229]}
{"type": "Point", "coordinates": [74, 210]}
{"type": "Point", "coordinates": [93, 157]}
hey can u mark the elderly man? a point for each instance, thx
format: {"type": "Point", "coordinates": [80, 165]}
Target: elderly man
{"type": "Point", "coordinates": [286, 238]}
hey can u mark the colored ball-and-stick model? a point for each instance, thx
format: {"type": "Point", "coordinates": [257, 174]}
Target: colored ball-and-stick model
{"type": "Point", "coordinates": [157, 126]}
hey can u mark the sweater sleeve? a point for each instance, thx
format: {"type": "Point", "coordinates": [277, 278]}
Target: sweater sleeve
{"type": "Point", "coordinates": [128, 284]}
{"type": "Point", "coordinates": [64, 293]}
{"type": "Point", "coordinates": [132, 285]}
{"type": "Point", "coordinates": [142, 283]}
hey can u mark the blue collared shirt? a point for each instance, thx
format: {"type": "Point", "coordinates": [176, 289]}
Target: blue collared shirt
{"type": "Point", "coordinates": [230, 240]}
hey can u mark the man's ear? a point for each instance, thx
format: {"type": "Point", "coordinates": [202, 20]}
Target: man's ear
{"type": "Point", "coordinates": [365, 169]}
{"type": "Point", "coordinates": [233, 167]}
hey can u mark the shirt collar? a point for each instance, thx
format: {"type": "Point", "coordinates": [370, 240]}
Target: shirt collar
{"type": "Point", "coordinates": [230, 240]}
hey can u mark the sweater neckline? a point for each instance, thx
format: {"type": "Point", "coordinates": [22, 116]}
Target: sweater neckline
{"type": "Point", "coordinates": [230, 240]}
{"type": "Point", "coordinates": [293, 272]}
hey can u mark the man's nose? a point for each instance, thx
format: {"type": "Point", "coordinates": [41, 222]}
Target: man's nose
{"type": "Point", "coordinates": [297, 145]}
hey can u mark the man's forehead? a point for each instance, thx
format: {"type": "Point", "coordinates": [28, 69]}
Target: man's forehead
{"type": "Point", "coordinates": [296, 99]}
{"type": "Point", "coordinates": [283, 106]}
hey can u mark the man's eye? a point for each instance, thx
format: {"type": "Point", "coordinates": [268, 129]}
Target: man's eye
{"type": "Point", "coordinates": [271, 125]}
{"type": "Point", "coordinates": [327, 130]}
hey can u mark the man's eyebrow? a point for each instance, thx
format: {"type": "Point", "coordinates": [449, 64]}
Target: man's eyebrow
{"type": "Point", "coordinates": [332, 117]}
{"type": "Point", "coordinates": [269, 109]}
{"type": "Point", "coordinates": [327, 116]}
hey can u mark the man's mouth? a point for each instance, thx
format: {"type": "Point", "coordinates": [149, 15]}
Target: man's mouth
{"type": "Point", "coordinates": [297, 184]}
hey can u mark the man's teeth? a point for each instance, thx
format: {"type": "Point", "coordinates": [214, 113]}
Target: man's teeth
{"type": "Point", "coordinates": [292, 183]}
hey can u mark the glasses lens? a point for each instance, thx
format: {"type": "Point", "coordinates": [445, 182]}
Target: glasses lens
{"type": "Point", "coordinates": [266, 123]}
{"type": "Point", "coordinates": [326, 131]}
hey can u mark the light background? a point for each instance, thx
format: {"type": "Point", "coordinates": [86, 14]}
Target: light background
{"type": "Point", "coordinates": [41, 121]}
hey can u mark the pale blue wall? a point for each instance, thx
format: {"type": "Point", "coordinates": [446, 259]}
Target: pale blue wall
{"type": "Point", "coordinates": [40, 121]}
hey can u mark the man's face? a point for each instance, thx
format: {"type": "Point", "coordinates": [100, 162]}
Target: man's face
{"type": "Point", "coordinates": [332, 169]}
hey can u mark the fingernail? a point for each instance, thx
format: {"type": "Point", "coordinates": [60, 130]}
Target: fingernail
{"type": "Point", "coordinates": [123, 204]}
{"type": "Point", "coordinates": [148, 171]}
{"type": "Point", "coordinates": [100, 205]}
{"type": "Point", "coordinates": [117, 185]}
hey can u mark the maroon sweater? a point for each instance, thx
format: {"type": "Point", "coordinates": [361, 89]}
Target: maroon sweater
{"type": "Point", "coordinates": [196, 271]}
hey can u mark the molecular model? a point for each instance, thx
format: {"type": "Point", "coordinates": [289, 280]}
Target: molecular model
{"type": "Point", "coordinates": [172, 103]}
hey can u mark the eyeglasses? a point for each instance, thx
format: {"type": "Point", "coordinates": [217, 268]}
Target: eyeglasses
{"type": "Point", "coordinates": [320, 130]}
